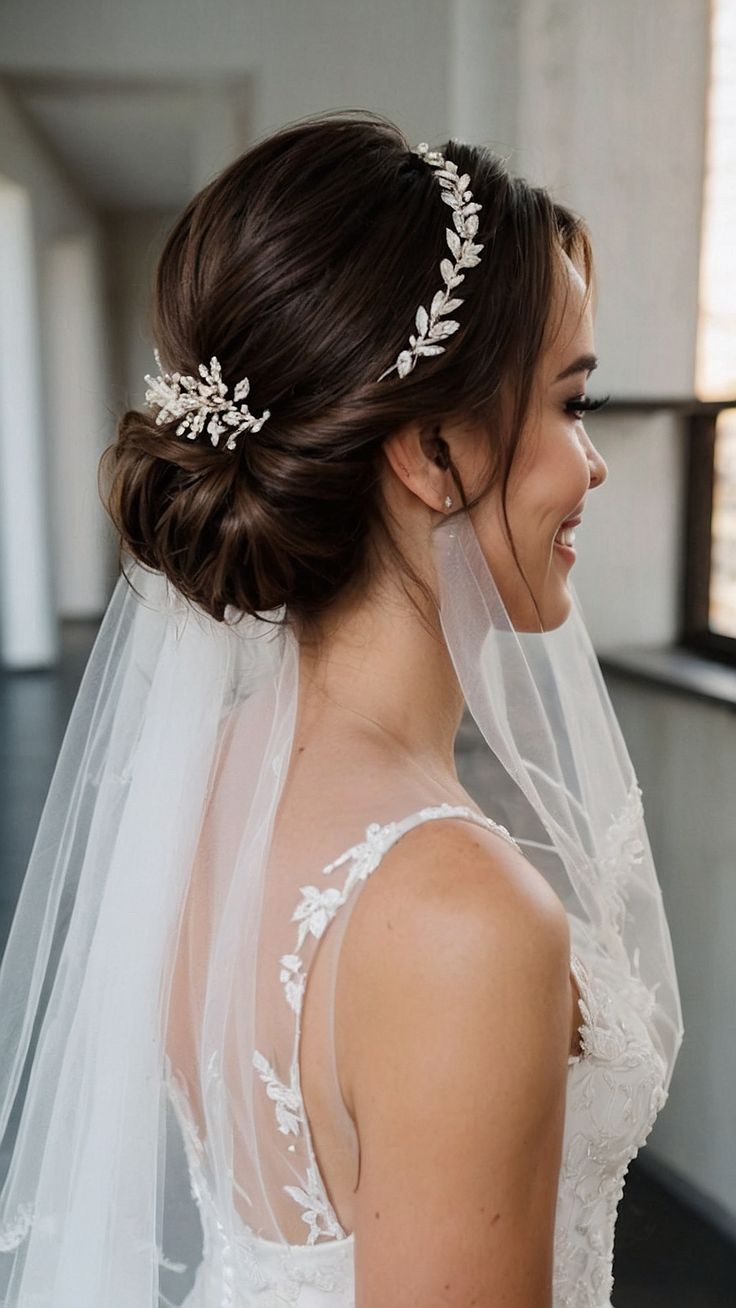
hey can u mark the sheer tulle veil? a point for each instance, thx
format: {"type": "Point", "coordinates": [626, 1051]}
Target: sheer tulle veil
{"type": "Point", "coordinates": [95, 1205]}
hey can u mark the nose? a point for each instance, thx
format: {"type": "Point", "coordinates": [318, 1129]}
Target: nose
{"type": "Point", "coordinates": [598, 465]}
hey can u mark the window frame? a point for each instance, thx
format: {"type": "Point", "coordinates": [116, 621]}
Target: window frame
{"type": "Point", "coordinates": [695, 633]}
{"type": "Point", "coordinates": [698, 418]}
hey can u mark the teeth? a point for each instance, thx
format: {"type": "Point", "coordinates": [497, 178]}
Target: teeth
{"type": "Point", "coordinates": [566, 536]}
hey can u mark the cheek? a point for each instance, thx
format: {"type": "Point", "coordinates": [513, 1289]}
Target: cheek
{"type": "Point", "coordinates": [582, 473]}
{"type": "Point", "coordinates": [545, 490]}
{"type": "Point", "coordinates": [558, 479]}
{"type": "Point", "coordinates": [548, 478]}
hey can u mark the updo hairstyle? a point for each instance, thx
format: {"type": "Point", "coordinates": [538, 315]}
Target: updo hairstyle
{"type": "Point", "coordinates": [301, 266]}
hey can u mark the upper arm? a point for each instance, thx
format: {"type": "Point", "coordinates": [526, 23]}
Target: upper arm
{"type": "Point", "coordinates": [456, 983]}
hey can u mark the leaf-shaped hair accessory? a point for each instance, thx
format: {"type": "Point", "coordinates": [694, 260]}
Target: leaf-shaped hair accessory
{"type": "Point", "coordinates": [178, 395]}
{"type": "Point", "coordinates": [431, 325]}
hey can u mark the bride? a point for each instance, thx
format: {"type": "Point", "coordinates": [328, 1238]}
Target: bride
{"type": "Point", "coordinates": [311, 1028]}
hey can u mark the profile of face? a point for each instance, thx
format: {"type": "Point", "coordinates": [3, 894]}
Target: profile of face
{"type": "Point", "coordinates": [555, 466]}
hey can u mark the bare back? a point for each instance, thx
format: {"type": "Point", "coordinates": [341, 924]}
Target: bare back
{"type": "Point", "coordinates": [319, 796]}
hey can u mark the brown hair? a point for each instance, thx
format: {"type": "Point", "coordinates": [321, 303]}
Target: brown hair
{"type": "Point", "coordinates": [301, 266]}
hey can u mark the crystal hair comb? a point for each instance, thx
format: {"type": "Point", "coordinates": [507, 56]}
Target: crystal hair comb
{"type": "Point", "coordinates": [191, 399]}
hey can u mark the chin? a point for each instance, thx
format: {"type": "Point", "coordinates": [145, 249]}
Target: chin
{"type": "Point", "coordinates": [554, 614]}
{"type": "Point", "coordinates": [557, 610]}
{"type": "Point", "coordinates": [554, 602]}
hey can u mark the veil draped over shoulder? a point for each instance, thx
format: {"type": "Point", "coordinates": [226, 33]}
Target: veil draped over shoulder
{"type": "Point", "coordinates": [148, 881]}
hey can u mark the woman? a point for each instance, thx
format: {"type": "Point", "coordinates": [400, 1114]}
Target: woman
{"type": "Point", "coordinates": [417, 1087]}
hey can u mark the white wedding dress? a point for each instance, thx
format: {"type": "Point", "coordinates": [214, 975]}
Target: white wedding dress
{"type": "Point", "coordinates": [615, 1090]}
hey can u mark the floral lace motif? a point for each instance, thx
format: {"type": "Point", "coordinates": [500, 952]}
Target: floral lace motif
{"type": "Point", "coordinates": [236, 1262]}
{"type": "Point", "coordinates": [14, 1232]}
{"type": "Point", "coordinates": [621, 853]}
{"type": "Point", "coordinates": [615, 1090]}
{"type": "Point", "coordinates": [313, 913]}
{"type": "Point", "coordinates": [614, 1094]}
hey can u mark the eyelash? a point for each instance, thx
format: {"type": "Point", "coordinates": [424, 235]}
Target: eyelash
{"type": "Point", "coordinates": [583, 404]}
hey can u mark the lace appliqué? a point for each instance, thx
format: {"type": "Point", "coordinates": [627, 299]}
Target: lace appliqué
{"type": "Point", "coordinates": [233, 1256]}
{"type": "Point", "coordinates": [613, 1097]}
{"type": "Point", "coordinates": [313, 913]}
{"type": "Point", "coordinates": [318, 1212]}
{"type": "Point", "coordinates": [615, 1083]}
{"type": "Point", "coordinates": [286, 1098]}
{"type": "Point", "coordinates": [622, 852]}
{"type": "Point", "coordinates": [14, 1232]}
{"type": "Point", "coordinates": [581, 976]}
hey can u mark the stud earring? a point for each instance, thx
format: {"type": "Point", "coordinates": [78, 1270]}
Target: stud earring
{"type": "Point", "coordinates": [448, 501]}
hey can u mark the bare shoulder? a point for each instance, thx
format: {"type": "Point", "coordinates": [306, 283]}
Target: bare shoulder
{"type": "Point", "coordinates": [453, 1035]}
{"type": "Point", "coordinates": [465, 885]}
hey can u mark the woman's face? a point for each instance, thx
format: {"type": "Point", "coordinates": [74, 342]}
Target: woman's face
{"type": "Point", "coordinates": [555, 466]}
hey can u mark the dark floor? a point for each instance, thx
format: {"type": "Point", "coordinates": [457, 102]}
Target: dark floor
{"type": "Point", "coordinates": [666, 1255]}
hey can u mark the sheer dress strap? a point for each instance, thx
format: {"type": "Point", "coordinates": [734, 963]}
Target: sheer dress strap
{"type": "Point", "coordinates": [334, 895]}
{"type": "Point", "coordinates": [354, 866]}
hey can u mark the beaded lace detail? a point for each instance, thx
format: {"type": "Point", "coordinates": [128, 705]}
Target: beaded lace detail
{"type": "Point", "coordinates": [236, 1263]}
{"type": "Point", "coordinates": [615, 1090]}
{"type": "Point", "coordinates": [614, 1093]}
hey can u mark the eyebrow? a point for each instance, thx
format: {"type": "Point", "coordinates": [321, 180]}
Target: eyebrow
{"type": "Point", "coordinates": [586, 363]}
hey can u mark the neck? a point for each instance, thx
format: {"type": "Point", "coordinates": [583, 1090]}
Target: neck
{"type": "Point", "coordinates": [379, 668]}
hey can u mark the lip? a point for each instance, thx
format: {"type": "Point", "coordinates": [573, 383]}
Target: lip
{"type": "Point", "coordinates": [567, 551]}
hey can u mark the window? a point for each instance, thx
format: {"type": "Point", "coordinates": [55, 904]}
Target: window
{"type": "Point", "coordinates": [709, 611]}
{"type": "Point", "coordinates": [709, 606]}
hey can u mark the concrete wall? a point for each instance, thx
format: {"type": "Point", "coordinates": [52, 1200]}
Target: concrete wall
{"type": "Point", "coordinates": [629, 544]}
{"type": "Point", "coordinates": [684, 752]}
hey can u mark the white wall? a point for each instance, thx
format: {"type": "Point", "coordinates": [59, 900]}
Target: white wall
{"type": "Point", "coordinates": [28, 636]}
{"type": "Point", "coordinates": [79, 418]}
{"type": "Point", "coordinates": [485, 95]}
{"type": "Point", "coordinates": [302, 58]}
{"type": "Point", "coordinates": [630, 542]}
{"type": "Point", "coordinates": [132, 243]}
{"type": "Point", "coordinates": [59, 215]}
{"type": "Point", "coordinates": [612, 117]}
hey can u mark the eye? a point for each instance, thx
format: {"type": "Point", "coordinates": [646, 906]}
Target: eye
{"type": "Point", "coordinates": [580, 404]}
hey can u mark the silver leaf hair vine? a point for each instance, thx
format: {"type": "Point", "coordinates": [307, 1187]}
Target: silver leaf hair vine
{"type": "Point", "coordinates": [465, 254]}
{"type": "Point", "coordinates": [177, 395]}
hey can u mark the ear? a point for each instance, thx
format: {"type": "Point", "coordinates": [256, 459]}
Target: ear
{"type": "Point", "coordinates": [417, 454]}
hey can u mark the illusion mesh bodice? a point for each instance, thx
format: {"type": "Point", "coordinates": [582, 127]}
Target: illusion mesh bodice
{"type": "Point", "coordinates": [615, 1090]}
